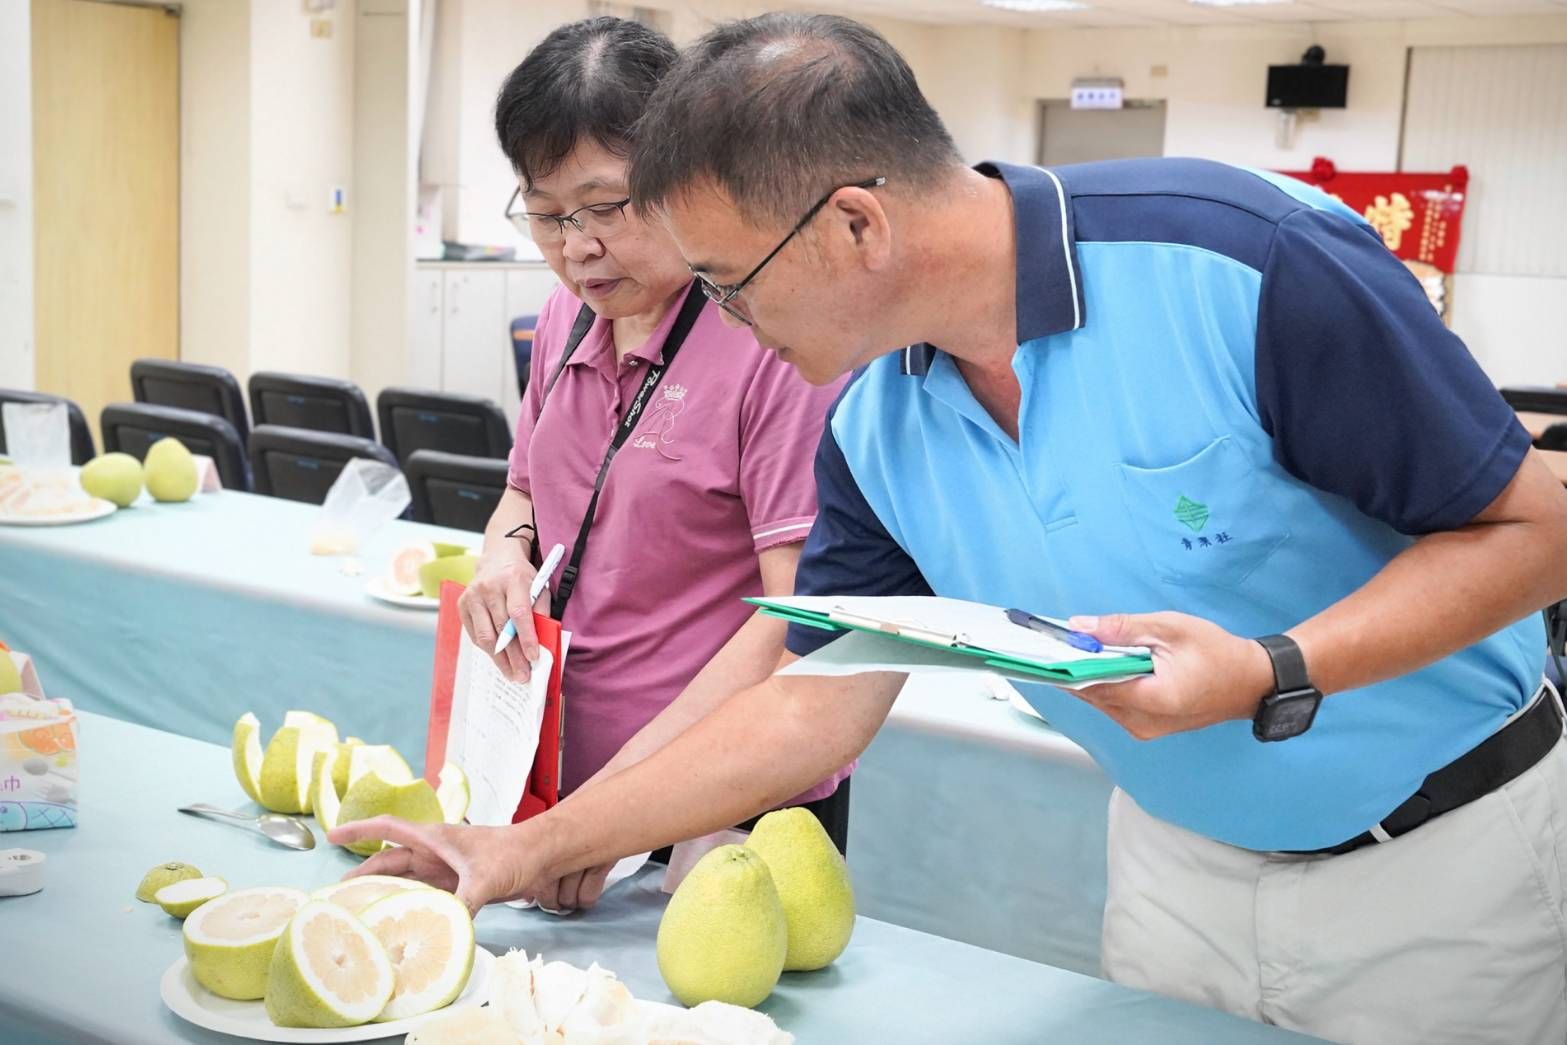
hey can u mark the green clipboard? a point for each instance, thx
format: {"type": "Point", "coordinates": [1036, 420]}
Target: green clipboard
{"type": "Point", "coordinates": [1070, 671]}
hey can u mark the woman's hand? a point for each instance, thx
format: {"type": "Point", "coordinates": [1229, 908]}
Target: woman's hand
{"type": "Point", "coordinates": [500, 592]}
{"type": "Point", "coordinates": [579, 889]}
{"type": "Point", "coordinates": [480, 864]}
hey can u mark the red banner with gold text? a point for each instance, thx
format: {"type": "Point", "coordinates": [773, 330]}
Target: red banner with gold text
{"type": "Point", "coordinates": [1418, 215]}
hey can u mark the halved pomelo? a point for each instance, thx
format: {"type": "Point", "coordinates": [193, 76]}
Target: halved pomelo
{"type": "Point", "coordinates": [356, 894]}
{"type": "Point", "coordinates": [428, 936]}
{"type": "Point", "coordinates": [328, 970]}
{"type": "Point", "coordinates": [229, 941]}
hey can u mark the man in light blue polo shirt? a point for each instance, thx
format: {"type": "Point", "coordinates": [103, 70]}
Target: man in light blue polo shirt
{"type": "Point", "coordinates": [1204, 408]}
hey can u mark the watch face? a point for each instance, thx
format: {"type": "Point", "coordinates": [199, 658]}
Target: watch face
{"type": "Point", "coordinates": [1287, 715]}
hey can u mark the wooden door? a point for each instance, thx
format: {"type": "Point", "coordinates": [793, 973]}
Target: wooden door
{"type": "Point", "coordinates": [106, 194]}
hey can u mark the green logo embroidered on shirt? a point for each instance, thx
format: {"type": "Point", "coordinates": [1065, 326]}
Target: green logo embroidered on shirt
{"type": "Point", "coordinates": [1191, 513]}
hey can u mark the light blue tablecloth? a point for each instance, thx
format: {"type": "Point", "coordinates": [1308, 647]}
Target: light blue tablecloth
{"type": "Point", "coordinates": [968, 820]}
{"type": "Point", "coordinates": [192, 614]}
{"type": "Point", "coordinates": [83, 958]}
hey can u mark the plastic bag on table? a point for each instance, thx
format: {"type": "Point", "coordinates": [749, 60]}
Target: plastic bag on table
{"type": "Point", "coordinates": [37, 436]}
{"type": "Point", "coordinates": [38, 482]}
{"type": "Point", "coordinates": [367, 496]}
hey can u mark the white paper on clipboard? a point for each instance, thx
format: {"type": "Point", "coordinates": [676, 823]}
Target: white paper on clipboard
{"type": "Point", "coordinates": [494, 731]}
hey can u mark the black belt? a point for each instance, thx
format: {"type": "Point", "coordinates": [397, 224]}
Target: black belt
{"type": "Point", "coordinates": [1497, 760]}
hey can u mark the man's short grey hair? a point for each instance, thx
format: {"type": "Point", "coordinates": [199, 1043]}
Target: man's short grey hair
{"type": "Point", "coordinates": [779, 109]}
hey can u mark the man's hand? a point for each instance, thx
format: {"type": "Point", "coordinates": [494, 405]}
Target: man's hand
{"type": "Point", "coordinates": [480, 864]}
{"type": "Point", "coordinates": [1202, 673]}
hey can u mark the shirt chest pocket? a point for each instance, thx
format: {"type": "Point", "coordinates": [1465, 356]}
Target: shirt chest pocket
{"type": "Point", "coordinates": [1208, 520]}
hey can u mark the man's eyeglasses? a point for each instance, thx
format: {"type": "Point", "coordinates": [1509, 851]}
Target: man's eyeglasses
{"type": "Point", "coordinates": [597, 220]}
{"type": "Point", "coordinates": [726, 297]}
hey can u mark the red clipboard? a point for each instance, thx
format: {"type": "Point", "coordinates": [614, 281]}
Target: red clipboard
{"type": "Point", "coordinates": [543, 787]}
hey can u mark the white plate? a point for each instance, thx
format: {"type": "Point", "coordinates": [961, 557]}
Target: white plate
{"type": "Point", "coordinates": [378, 589]}
{"type": "Point", "coordinates": [192, 1002]}
{"type": "Point", "coordinates": [96, 509]}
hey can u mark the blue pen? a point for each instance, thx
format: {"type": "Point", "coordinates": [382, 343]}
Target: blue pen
{"type": "Point", "coordinates": [1075, 639]}
{"type": "Point", "coordinates": [540, 581]}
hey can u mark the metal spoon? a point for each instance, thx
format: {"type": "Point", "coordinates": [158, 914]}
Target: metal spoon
{"type": "Point", "coordinates": [284, 830]}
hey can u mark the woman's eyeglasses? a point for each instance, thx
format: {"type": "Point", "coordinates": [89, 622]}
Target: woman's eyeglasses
{"type": "Point", "coordinates": [597, 220]}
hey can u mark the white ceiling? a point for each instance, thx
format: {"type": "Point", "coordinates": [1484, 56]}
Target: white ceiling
{"type": "Point", "coordinates": [1102, 13]}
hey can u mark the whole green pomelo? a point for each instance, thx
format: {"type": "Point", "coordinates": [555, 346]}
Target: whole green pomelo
{"type": "Point", "coordinates": [170, 471]}
{"type": "Point", "coordinates": [724, 936]}
{"type": "Point", "coordinates": [115, 477]}
{"type": "Point", "coordinates": [813, 885]}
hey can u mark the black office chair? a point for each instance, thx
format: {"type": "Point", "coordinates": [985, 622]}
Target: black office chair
{"type": "Point", "coordinates": [321, 404]}
{"type": "Point", "coordinates": [190, 386]}
{"type": "Point", "coordinates": [133, 427]}
{"type": "Point", "coordinates": [82, 449]}
{"type": "Point", "coordinates": [1553, 438]}
{"type": "Point", "coordinates": [454, 490]}
{"type": "Point", "coordinates": [300, 465]}
{"type": "Point", "coordinates": [454, 424]}
{"type": "Point", "coordinates": [1538, 399]}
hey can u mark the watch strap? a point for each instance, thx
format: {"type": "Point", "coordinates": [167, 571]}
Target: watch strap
{"type": "Point", "coordinates": [1289, 664]}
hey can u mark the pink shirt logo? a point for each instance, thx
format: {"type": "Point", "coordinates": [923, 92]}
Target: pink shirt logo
{"type": "Point", "coordinates": [661, 418]}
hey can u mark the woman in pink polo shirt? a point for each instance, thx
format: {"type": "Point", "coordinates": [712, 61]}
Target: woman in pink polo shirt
{"type": "Point", "coordinates": [711, 492]}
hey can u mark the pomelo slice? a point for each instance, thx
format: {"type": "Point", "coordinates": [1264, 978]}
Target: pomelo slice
{"type": "Point", "coordinates": [285, 771]}
{"type": "Point", "coordinates": [382, 758]}
{"type": "Point", "coordinates": [246, 749]}
{"type": "Point", "coordinates": [356, 894]}
{"type": "Point", "coordinates": [452, 793]}
{"type": "Point", "coordinates": [312, 721]}
{"type": "Point", "coordinates": [181, 899]}
{"type": "Point", "coordinates": [162, 875]}
{"type": "Point", "coordinates": [371, 795]}
{"type": "Point", "coordinates": [323, 795]}
{"type": "Point", "coordinates": [428, 936]}
{"type": "Point", "coordinates": [287, 768]}
{"type": "Point", "coordinates": [328, 970]}
{"type": "Point", "coordinates": [402, 574]}
{"type": "Point", "coordinates": [229, 941]}
{"type": "Point", "coordinates": [340, 773]}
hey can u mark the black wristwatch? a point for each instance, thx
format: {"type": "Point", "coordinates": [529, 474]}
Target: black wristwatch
{"type": "Point", "coordinates": [1289, 710]}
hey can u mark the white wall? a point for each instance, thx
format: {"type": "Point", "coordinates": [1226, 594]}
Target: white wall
{"type": "Point", "coordinates": [494, 35]}
{"type": "Point", "coordinates": [478, 42]}
{"type": "Point", "coordinates": [1216, 77]}
{"type": "Point", "coordinates": [986, 80]}
{"type": "Point", "coordinates": [16, 196]}
{"type": "Point", "coordinates": [1516, 326]}
{"type": "Point", "coordinates": [1214, 89]}
{"type": "Point", "coordinates": [215, 196]}
{"type": "Point", "coordinates": [383, 192]}
{"type": "Point", "coordinates": [302, 144]}
{"type": "Point", "coordinates": [971, 75]}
